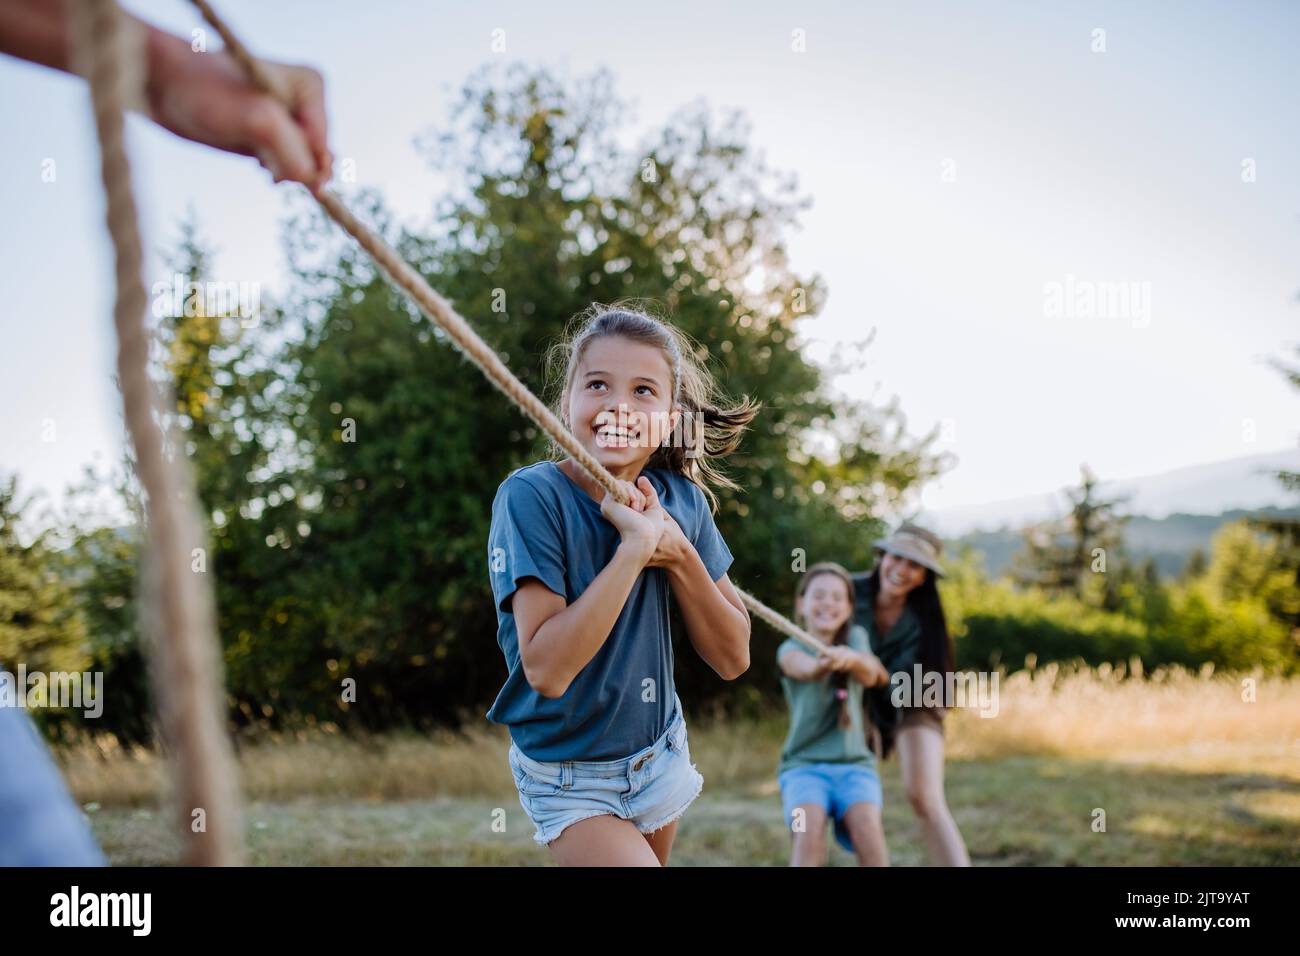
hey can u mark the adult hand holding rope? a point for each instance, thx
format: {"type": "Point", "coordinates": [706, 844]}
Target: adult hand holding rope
{"type": "Point", "coordinates": [203, 97]}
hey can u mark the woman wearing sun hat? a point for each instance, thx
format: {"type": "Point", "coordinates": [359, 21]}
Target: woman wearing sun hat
{"type": "Point", "coordinates": [897, 602]}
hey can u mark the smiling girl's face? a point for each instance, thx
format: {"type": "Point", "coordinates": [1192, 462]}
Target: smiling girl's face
{"type": "Point", "coordinates": [619, 403]}
{"type": "Point", "coordinates": [825, 604]}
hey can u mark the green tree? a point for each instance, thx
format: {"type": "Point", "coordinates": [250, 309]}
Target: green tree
{"type": "Point", "coordinates": [99, 558]}
{"type": "Point", "coordinates": [39, 624]}
{"type": "Point", "coordinates": [1197, 563]}
{"type": "Point", "coordinates": [1249, 563]}
{"type": "Point", "coordinates": [347, 457]}
{"type": "Point", "coordinates": [1072, 555]}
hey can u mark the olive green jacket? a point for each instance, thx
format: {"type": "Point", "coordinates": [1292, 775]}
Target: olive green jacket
{"type": "Point", "coordinates": [898, 650]}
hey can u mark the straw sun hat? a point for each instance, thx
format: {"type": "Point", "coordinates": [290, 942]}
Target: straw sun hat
{"type": "Point", "coordinates": [914, 542]}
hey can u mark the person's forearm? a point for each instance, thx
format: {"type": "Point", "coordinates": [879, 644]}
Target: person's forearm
{"type": "Point", "coordinates": [798, 665]}
{"type": "Point", "coordinates": [718, 630]}
{"type": "Point", "coordinates": [164, 53]}
{"type": "Point", "coordinates": [39, 31]}
{"type": "Point", "coordinates": [863, 672]}
{"type": "Point", "coordinates": [36, 30]}
{"type": "Point", "coordinates": [204, 98]}
{"type": "Point", "coordinates": [566, 642]}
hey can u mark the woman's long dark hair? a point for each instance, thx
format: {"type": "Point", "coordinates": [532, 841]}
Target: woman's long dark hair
{"type": "Point", "coordinates": [923, 600]}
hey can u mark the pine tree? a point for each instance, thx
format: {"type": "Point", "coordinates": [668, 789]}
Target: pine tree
{"type": "Point", "coordinates": [1060, 556]}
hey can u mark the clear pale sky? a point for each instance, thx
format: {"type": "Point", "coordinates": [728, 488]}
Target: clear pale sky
{"type": "Point", "coordinates": [960, 158]}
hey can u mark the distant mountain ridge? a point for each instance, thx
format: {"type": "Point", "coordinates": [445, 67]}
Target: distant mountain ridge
{"type": "Point", "coordinates": [1242, 484]}
{"type": "Point", "coordinates": [1170, 541]}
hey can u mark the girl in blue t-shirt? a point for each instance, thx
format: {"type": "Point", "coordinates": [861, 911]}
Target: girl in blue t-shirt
{"type": "Point", "coordinates": [599, 751]}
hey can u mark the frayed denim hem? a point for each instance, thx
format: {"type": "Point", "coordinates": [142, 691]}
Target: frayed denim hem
{"type": "Point", "coordinates": [676, 814]}
{"type": "Point", "coordinates": [544, 840]}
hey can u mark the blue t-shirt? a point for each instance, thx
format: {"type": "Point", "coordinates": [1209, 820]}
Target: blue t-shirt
{"type": "Point", "coordinates": [545, 526]}
{"type": "Point", "coordinates": [40, 825]}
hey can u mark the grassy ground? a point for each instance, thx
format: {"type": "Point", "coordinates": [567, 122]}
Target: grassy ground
{"type": "Point", "coordinates": [1186, 771]}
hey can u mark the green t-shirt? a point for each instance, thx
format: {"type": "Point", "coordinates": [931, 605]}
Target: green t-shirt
{"type": "Point", "coordinates": [815, 732]}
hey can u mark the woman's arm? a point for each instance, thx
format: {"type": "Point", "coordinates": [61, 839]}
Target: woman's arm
{"type": "Point", "coordinates": [35, 30]}
{"type": "Point", "coordinates": [203, 97]}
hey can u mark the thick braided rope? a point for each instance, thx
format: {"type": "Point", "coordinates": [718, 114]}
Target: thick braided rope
{"type": "Point", "coordinates": [440, 311]}
{"type": "Point", "coordinates": [412, 283]}
{"type": "Point", "coordinates": [178, 605]}
{"type": "Point", "coordinates": [479, 352]}
{"type": "Point", "coordinates": [780, 622]}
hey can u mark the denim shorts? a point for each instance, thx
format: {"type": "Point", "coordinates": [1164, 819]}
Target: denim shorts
{"type": "Point", "coordinates": [832, 786]}
{"type": "Point", "coordinates": [651, 788]}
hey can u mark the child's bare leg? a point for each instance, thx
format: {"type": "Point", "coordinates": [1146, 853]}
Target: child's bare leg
{"type": "Point", "coordinates": [661, 841]}
{"type": "Point", "coordinates": [920, 757]}
{"type": "Point", "coordinates": [602, 841]}
{"type": "Point", "coordinates": [867, 834]}
{"type": "Point", "coordinates": [810, 842]}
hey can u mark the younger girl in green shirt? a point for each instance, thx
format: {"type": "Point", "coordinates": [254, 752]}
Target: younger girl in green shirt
{"type": "Point", "coordinates": [827, 770]}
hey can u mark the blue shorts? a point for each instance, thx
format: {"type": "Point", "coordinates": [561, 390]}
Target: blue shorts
{"type": "Point", "coordinates": [651, 788]}
{"type": "Point", "coordinates": [832, 786]}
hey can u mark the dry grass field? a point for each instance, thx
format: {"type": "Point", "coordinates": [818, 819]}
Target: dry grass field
{"type": "Point", "coordinates": [1189, 768]}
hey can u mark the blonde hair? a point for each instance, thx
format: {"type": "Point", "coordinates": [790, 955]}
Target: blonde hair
{"type": "Point", "coordinates": [718, 429]}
